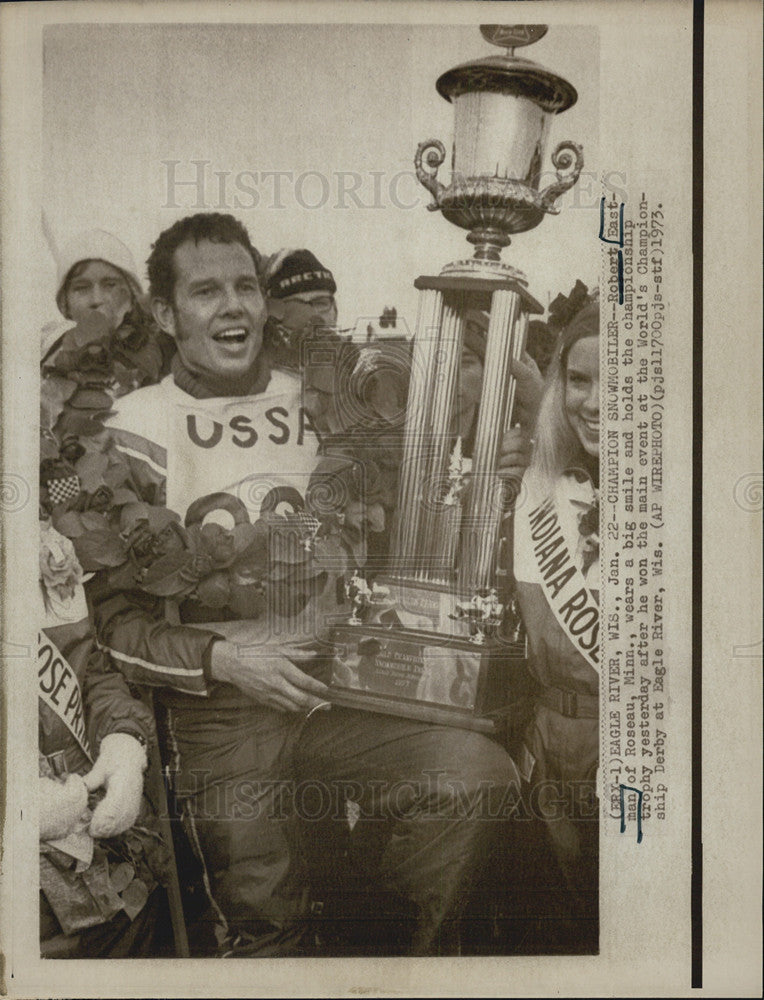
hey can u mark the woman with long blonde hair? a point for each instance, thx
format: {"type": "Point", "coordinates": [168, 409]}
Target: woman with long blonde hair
{"type": "Point", "coordinates": [561, 439]}
{"type": "Point", "coordinates": [557, 573]}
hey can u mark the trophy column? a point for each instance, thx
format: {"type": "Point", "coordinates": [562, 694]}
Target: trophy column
{"type": "Point", "coordinates": [434, 373]}
{"type": "Point", "coordinates": [447, 532]}
{"type": "Point", "coordinates": [506, 341]}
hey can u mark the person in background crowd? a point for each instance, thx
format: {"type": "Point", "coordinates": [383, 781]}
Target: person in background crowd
{"type": "Point", "coordinates": [108, 346]}
{"type": "Point", "coordinates": [223, 425]}
{"type": "Point", "coordinates": [300, 298]}
{"type": "Point", "coordinates": [109, 329]}
{"type": "Point", "coordinates": [101, 861]}
{"type": "Point", "coordinates": [556, 564]}
{"type": "Point", "coordinates": [300, 294]}
{"type": "Point", "coordinates": [96, 273]}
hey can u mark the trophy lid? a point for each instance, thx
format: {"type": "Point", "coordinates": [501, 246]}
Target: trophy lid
{"type": "Point", "coordinates": [509, 74]}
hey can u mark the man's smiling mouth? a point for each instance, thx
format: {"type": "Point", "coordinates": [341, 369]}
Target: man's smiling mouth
{"type": "Point", "coordinates": [236, 335]}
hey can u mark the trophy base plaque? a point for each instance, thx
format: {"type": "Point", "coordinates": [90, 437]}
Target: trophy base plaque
{"type": "Point", "coordinates": [421, 675]}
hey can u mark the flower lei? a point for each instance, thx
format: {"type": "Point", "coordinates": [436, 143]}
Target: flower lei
{"type": "Point", "coordinates": [94, 365]}
{"type": "Point", "coordinates": [146, 547]}
{"type": "Point", "coordinates": [91, 354]}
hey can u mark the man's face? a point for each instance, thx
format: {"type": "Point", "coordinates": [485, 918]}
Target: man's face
{"type": "Point", "coordinates": [306, 312]}
{"type": "Point", "coordinates": [582, 393]}
{"type": "Point", "coordinates": [218, 311]}
{"type": "Point", "coordinates": [97, 287]}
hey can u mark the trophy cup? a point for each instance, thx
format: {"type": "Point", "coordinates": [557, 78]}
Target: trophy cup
{"type": "Point", "coordinates": [442, 645]}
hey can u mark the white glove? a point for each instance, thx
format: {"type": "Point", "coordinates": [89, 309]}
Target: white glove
{"type": "Point", "coordinates": [119, 769]}
{"type": "Point", "coordinates": [61, 806]}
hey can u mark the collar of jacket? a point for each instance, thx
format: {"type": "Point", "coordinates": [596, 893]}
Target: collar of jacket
{"type": "Point", "coordinates": [255, 382]}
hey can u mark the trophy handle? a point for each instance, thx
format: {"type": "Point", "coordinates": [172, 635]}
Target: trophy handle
{"type": "Point", "coordinates": [568, 160]}
{"type": "Point", "coordinates": [426, 175]}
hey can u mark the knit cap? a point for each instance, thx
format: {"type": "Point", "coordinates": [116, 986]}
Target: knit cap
{"type": "Point", "coordinates": [297, 271]}
{"type": "Point", "coordinates": [95, 244]}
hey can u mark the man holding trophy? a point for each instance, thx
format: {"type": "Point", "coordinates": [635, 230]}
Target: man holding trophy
{"type": "Point", "coordinates": [243, 728]}
{"type": "Point", "coordinates": [226, 443]}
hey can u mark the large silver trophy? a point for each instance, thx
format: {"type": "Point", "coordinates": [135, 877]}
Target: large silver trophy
{"type": "Point", "coordinates": [436, 639]}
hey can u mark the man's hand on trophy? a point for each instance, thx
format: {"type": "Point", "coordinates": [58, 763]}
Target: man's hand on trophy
{"type": "Point", "coordinates": [514, 457]}
{"type": "Point", "coordinates": [530, 386]}
{"type": "Point", "coordinates": [269, 675]}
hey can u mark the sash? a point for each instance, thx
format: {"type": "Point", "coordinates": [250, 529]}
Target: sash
{"type": "Point", "coordinates": [59, 689]}
{"type": "Point", "coordinates": [543, 557]}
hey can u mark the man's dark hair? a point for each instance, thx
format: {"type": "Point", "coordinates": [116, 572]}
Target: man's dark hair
{"type": "Point", "coordinates": [212, 226]}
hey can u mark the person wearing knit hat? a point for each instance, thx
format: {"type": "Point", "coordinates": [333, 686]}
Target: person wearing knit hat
{"type": "Point", "coordinates": [295, 272]}
{"type": "Point", "coordinates": [96, 272]}
{"type": "Point", "coordinates": [300, 291]}
{"type": "Point", "coordinates": [107, 335]}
